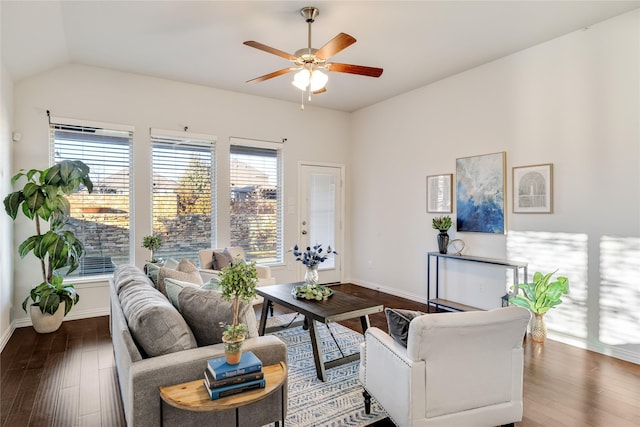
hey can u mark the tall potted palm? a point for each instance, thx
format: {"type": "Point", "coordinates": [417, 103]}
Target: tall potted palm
{"type": "Point", "coordinates": [238, 283]}
{"type": "Point", "coordinates": [42, 198]}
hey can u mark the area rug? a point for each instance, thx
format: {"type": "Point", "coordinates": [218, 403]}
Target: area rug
{"type": "Point", "coordinates": [313, 403]}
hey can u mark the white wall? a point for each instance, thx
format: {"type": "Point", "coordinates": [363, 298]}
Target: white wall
{"type": "Point", "coordinates": [6, 227]}
{"type": "Point", "coordinates": [102, 95]}
{"type": "Point", "coordinates": [573, 102]}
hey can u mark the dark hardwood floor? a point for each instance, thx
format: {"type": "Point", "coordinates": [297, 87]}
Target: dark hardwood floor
{"type": "Point", "coordinates": [67, 378]}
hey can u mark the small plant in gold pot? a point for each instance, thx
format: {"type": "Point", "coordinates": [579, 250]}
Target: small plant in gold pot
{"type": "Point", "coordinates": [238, 283]}
{"type": "Point", "coordinates": [539, 297]}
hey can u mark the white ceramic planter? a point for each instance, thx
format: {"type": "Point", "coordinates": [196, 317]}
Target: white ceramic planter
{"type": "Point", "coordinates": [44, 323]}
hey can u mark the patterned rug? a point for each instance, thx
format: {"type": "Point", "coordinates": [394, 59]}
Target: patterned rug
{"type": "Point", "coordinates": [312, 403]}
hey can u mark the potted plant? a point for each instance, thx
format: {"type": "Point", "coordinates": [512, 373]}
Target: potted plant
{"type": "Point", "coordinates": [539, 297]}
{"type": "Point", "coordinates": [311, 258]}
{"type": "Point", "coordinates": [442, 224]}
{"type": "Point", "coordinates": [237, 282]}
{"type": "Point", "coordinates": [43, 198]}
{"type": "Point", "coordinates": [152, 243]}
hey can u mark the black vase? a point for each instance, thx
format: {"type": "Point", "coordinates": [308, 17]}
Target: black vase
{"type": "Point", "coordinates": [443, 242]}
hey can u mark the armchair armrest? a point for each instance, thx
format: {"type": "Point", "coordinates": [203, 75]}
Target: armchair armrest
{"type": "Point", "coordinates": [383, 359]}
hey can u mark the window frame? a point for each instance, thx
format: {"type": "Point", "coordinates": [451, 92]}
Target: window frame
{"type": "Point", "coordinates": [278, 148]}
{"type": "Point", "coordinates": [162, 136]}
{"type": "Point", "coordinates": [60, 122]}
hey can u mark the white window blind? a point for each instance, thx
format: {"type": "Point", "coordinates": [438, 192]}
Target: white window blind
{"type": "Point", "coordinates": [101, 220]}
{"type": "Point", "coordinates": [183, 195]}
{"type": "Point", "coordinates": [256, 202]}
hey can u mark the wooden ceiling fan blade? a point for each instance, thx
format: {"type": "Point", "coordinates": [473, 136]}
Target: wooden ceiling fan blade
{"type": "Point", "coordinates": [271, 75]}
{"type": "Point", "coordinates": [354, 69]}
{"type": "Point", "coordinates": [316, 92]}
{"type": "Point", "coordinates": [270, 49]}
{"type": "Point", "coordinates": [335, 45]}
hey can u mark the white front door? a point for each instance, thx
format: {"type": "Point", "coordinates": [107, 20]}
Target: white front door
{"type": "Point", "coordinates": [321, 199]}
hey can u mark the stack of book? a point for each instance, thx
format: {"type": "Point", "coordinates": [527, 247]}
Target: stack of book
{"type": "Point", "coordinates": [222, 379]}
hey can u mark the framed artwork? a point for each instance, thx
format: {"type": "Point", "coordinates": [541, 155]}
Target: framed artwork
{"type": "Point", "coordinates": [480, 198]}
{"type": "Point", "coordinates": [439, 193]}
{"type": "Point", "coordinates": [533, 188]}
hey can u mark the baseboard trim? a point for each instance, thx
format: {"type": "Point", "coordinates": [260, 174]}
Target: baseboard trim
{"type": "Point", "coordinates": [4, 339]}
{"type": "Point", "coordinates": [26, 321]}
{"type": "Point", "coordinates": [387, 290]}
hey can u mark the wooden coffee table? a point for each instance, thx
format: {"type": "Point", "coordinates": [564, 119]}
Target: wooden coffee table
{"type": "Point", "coordinates": [339, 306]}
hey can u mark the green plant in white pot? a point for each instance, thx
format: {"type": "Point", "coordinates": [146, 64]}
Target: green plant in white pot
{"type": "Point", "coordinates": [238, 283]}
{"type": "Point", "coordinates": [539, 297]}
{"type": "Point", "coordinates": [42, 199]}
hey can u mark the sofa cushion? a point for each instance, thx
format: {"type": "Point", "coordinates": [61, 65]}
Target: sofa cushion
{"type": "Point", "coordinates": [129, 275]}
{"type": "Point", "coordinates": [398, 322]}
{"type": "Point", "coordinates": [185, 272]}
{"type": "Point", "coordinates": [154, 322]}
{"type": "Point", "coordinates": [203, 310]}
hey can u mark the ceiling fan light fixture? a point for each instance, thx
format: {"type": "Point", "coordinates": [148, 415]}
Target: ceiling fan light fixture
{"type": "Point", "coordinates": [301, 79]}
{"type": "Point", "coordinates": [318, 80]}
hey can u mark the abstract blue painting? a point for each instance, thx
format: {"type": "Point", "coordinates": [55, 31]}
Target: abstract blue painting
{"type": "Point", "coordinates": [480, 183]}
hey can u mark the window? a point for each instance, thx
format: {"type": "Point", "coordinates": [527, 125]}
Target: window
{"type": "Point", "coordinates": [183, 194]}
{"type": "Point", "coordinates": [101, 220]}
{"type": "Point", "coordinates": [256, 200]}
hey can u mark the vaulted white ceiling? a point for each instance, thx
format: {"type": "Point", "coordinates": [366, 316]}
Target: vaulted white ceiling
{"type": "Point", "coordinates": [416, 42]}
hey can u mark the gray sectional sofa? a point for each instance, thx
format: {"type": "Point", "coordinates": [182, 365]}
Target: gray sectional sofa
{"type": "Point", "coordinates": [154, 346]}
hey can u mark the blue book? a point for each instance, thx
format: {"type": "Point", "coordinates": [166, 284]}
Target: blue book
{"type": "Point", "coordinates": [229, 390]}
{"type": "Point", "coordinates": [219, 368]}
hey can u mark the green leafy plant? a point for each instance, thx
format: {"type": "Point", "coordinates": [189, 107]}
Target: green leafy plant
{"type": "Point", "coordinates": [152, 243]}
{"type": "Point", "coordinates": [541, 295]}
{"type": "Point", "coordinates": [238, 283]}
{"type": "Point", "coordinates": [42, 198]}
{"type": "Point", "coordinates": [441, 223]}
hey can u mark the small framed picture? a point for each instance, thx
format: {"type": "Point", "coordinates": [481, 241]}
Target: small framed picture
{"type": "Point", "coordinates": [533, 189]}
{"type": "Point", "coordinates": [439, 193]}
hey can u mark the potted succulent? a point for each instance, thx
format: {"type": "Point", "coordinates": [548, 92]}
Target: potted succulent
{"type": "Point", "coordinates": [539, 297]}
{"type": "Point", "coordinates": [442, 224]}
{"type": "Point", "coordinates": [238, 283]}
{"type": "Point", "coordinates": [152, 243]}
{"type": "Point", "coordinates": [43, 198]}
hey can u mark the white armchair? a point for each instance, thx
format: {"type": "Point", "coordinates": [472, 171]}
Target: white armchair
{"type": "Point", "coordinates": [206, 270]}
{"type": "Point", "coordinates": [458, 369]}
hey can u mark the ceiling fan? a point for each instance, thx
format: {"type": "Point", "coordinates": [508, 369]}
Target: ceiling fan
{"type": "Point", "coordinates": [309, 62]}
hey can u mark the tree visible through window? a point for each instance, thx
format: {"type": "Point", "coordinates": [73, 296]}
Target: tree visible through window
{"type": "Point", "coordinates": [183, 211]}
{"type": "Point", "coordinates": [100, 220]}
{"type": "Point", "coordinates": [256, 206]}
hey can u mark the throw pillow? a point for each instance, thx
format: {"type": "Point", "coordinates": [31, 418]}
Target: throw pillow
{"type": "Point", "coordinates": [212, 285]}
{"type": "Point", "coordinates": [152, 271]}
{"type": "Point", "coordinates": [173, 288]}
{"type": "Point", "coordinates": [155, 324]}
{"type": "Point", "coordinates": [398, 322]}
{"type": "Point", "coordinates": [186, 272]}
{"type": "Point", "coordinates": [214, 264]}
{"type": "Point", "coordinates": [203, 310]}
{"type": "Point", "coordinates": [223, 259]}
{"type": "Point", "coordinates": [171, 263]}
